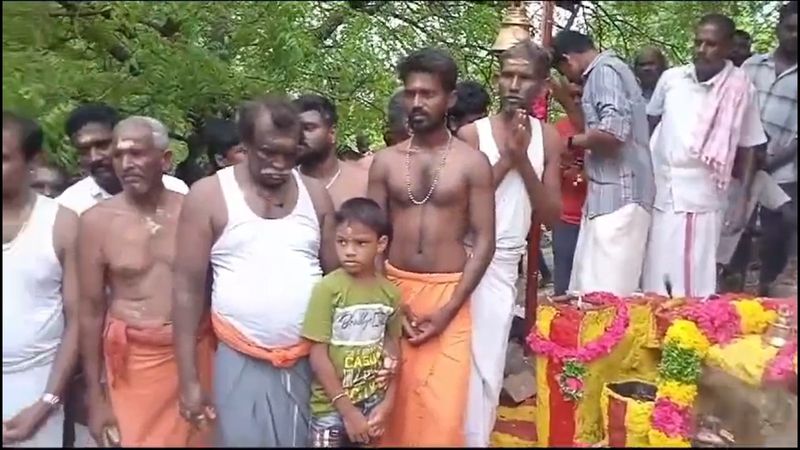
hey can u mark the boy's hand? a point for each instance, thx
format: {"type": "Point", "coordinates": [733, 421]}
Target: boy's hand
{"type": "Point", "coordinates": [388, 370]}
{"type": "Point", "coordinates": [377, 419]}
{"type": "Point", "coordinates": [357, 427]}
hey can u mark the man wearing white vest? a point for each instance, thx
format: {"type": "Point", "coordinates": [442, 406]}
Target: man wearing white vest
{"type": "Point", "coordinates": [525, 155]}
{"type": "Point", "coordinates": [40, 324]}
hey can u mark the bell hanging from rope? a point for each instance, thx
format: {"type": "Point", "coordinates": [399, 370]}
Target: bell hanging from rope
{"type": "Point", "coordinates": [514, 28]}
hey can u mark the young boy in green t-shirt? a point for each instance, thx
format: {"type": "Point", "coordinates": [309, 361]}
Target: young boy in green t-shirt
{"type": "Point", "coordinates": [354, 322]}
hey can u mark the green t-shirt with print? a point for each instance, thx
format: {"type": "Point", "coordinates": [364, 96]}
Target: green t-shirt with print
{"type": "Point", "coordinates": [353, 318]}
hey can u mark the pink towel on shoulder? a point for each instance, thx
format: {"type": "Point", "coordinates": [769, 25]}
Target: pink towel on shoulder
{"type": "Point", "coordinates": [717, 133]}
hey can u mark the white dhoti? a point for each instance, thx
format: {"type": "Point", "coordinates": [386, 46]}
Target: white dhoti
{"type": "Point", "coordinates": [492, 307]}
{"type": "Point", "coordinates": [683, 248]}
{"type": "Point", "coordinates": [23, 388]}
{"type": "Point", "coordinates": [610, 251]}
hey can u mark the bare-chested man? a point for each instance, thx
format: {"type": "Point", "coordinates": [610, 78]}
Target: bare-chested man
{"type": "Point", "coordinates": [40, 295]}
{"type": "Point", "coordinates": [435, 188]}
{"type": "Point", "coordinates": [525, 154]}
{"type": "Point", "coordinates": [127, 249]}
{"type": "Point", "coordinates": [343, 179]}
{"type": "Point", "coordinates": [266, 233]}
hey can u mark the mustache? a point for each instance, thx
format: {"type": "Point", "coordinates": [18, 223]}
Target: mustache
{"type": "Point", "coordinates": [100, 165]}
{"type": "Point", "coordinates": [417, 112]}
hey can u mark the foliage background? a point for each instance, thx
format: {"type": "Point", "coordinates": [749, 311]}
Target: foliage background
{"type": "Point", "coordinates": [184, 61]}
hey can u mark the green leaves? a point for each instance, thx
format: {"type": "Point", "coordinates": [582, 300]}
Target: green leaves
{"type": "Point", "coordinates": [182, 61]}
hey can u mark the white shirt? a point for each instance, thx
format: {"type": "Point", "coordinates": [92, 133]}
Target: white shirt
{"type": "Point", "coordinates": [86, 193]}
{"type": "Point", "coordinates": [512, 204]}
{"type": "Point", "coordinates": [683, 182]}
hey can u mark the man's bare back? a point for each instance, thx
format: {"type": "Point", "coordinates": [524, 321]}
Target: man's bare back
{"type": "Point", "coordinates": [429, 238]}
{"type": "Point", "coordinates": [137, 253]}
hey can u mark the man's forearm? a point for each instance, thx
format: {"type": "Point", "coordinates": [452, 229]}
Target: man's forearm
{"type": "Point", "coordinates": [748, 170]}
{"type": "Point", "coordinates": [483, 251]}
{"type": "Point", "coordinates": [500, 169]}
{"type": "Point", "coordinates": [187, 312]}
{"type": "Point", "coordinates": [66, 360]}
{"type": "Point", "coordinates": [91, 331]}
{"type": "Point", "coordinates": [782, 157]}
{"type": "Point", "coordinates": [547, 206]}
{"type": "Point", "coordinates": [598, 142]}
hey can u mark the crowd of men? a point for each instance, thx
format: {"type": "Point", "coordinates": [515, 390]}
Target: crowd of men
{"type": "Point", "coordinates": [246, 311]}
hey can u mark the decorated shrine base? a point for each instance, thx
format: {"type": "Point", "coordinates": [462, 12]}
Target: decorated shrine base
{"type": "Point", "coordinates": [515, 426]}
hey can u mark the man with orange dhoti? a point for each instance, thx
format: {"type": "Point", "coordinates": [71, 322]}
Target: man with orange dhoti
{"type": "Point", "coordinates": [126, 251]}
{"type": "Point", "coordinates": [266, 233]}
{"type": "Point", "coordinates": [435, 188]}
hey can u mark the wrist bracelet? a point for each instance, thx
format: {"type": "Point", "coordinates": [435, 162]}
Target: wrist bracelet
{"type": "Point", "coordinates": [337, 397]}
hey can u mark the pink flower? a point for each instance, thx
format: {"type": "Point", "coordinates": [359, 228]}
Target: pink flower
{"type": "Point", "coordinates": [573, 384]}
{"type": "Point", "coordinates": [782, 365]}
{"type": "Point", "coordinates": [598, 348]}
{"type": "Point", "coordinates": [671, 419]}
{"type": "Point", "coordinates": [717, 319]}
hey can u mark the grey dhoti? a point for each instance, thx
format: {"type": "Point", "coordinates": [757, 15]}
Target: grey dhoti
{"type": "Point", "coordinates": [259, 404]}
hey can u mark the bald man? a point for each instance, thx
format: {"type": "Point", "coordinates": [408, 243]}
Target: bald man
{"type": "Point", "coordinates": [648, 66]}
{"type": "Point", "coordinates": [126, 250]}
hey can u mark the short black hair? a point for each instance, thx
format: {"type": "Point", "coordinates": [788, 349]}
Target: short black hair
{"type": "Point", "coordinates": [743, 34]}
{"type": "Point", "coordinates": [283, 113]}
{"type": "Point", "coordinates": [30, 133]}
{"type": "Point", "coordinates": [432, 61]}
{"type": "Point", "coordinates": [788, 9]}
{"type": "Point", "coordinates": [396, 115]}
{"type": "Point", "coordinates": [220, 135]}
{"type": "Point", "coordinates": [366, 212]}
{"type": "Point", "coordinates": [725, 24]}
{"type": "Point", "coordinates": [471, 98]}
{"type": "Point", "coordinates": [535, 55]}
{"type": "Point", "coordinates": [320, 104]}
{"type": "Point", "coordinates": [569, 41]}
{"type": "Point", "coordinates": [91, 113]}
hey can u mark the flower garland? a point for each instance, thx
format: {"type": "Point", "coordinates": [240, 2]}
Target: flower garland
{"type": "Point", "coordinates": [686, 344]}
{"type": "Point", "coordinates": [570, 380]}
{"type": "Point", "coordinates": [784, 365]}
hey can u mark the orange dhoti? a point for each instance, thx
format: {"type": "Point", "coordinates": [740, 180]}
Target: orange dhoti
{"type": "Point", "coordinates": [432, 385]}
{"type": "Point", "coordinates": [142, 376]}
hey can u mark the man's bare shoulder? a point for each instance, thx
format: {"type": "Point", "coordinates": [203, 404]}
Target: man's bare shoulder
{"type": "Point", "coordinates": [469, 134]}
{"type": "Point", "coordinates": [204, 186]}
{"type": "Point", "coordinates": [468, 154]}
{"type": "Point", "coordinates": [100, 216]}
{"type": "Point", "coordinates": [387, 156]}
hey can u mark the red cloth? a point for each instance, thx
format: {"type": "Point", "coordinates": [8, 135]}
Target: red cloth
{"type": "Point", "coordinates": [572, 196]}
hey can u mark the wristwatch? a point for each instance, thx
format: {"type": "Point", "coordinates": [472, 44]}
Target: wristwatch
{"type": "Point", "coordinates": [50, 399]}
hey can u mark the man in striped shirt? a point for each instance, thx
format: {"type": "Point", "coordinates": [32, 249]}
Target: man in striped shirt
{"type": "Point", "coordinates": [616, 216]}
{"type": "Point", "coordinates": [775, 78]}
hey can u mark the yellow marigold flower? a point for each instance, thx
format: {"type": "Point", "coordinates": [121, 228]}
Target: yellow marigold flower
{"type": "Point", "coordinates": [685, 334]}
{"type": "Point", "coordinates": [680, 393]}
{"type": "Point", "coordinates": [659, 439]}
{"type": "Point", "coordinates": [754, 317]}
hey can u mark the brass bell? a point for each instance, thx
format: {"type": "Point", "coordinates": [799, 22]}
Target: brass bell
{"type": "Point", "coordinates": [514, 28]}
{"type": "Point", "coordinates": [780, 331]}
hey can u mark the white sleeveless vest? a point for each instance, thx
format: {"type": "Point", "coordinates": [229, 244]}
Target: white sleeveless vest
{"type": "Point", "coordinates": [512, 205]}
{"type": "Point", "coordinates": [264, 269]}
{"type": "Point", "coordinates": [33, 309]}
